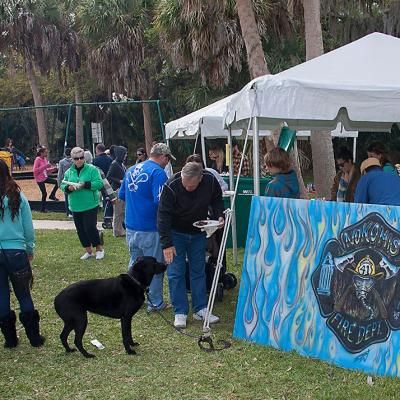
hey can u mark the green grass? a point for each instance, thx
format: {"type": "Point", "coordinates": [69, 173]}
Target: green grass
{"type": "Point", "coordinates": [168, 365]}
{"type": "Point", "coordinates": [54, 216]}
{"type": "Point", "coordinates": [58, 216]}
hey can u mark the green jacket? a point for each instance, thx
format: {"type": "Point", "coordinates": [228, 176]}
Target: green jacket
{"type": "Point", "coordinates": [83, 199]}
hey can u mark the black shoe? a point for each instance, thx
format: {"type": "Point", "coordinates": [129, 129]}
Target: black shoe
{"type": "Point", "coordinates": [54, 198]}
{"type": "Point", "coordinates": [7, 326]}
{"type": "Point", "coordinates": [30, 321]}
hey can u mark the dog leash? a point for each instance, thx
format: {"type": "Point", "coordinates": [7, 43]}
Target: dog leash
{"type": "Point", "coordinates": [205, 342]}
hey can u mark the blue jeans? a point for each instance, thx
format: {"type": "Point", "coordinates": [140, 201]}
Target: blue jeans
{"type": "Point", "coordinates": [192, 247]}
{"type": "Point", "coordinates": [148, 244]}
{"type": "Point", "coordinates": [14, 265]}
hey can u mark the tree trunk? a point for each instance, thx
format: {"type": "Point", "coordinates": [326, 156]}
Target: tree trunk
{"type": "Point", "coordinates": [255, 54]}
{"type": "Point", "coordinates": [37, 99]}
{"type": "Point", "coordinates": [321, 142]}
{"type": "Point", "coordinates": [148, 132]}
{"type": "Point", "coordinates": [80, 141]}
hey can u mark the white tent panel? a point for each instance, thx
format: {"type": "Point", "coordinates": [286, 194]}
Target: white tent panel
{"type": "Point", "coordinates": [357, 84]}
{"type": "Point", "coordinates": [208, 119]}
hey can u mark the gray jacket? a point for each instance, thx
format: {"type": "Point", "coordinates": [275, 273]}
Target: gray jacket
{"type": "Point", "coordinates": [63, 165]}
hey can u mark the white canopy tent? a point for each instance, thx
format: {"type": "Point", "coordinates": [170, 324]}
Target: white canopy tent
{"type": "Point", "coordinates": [357, 84]}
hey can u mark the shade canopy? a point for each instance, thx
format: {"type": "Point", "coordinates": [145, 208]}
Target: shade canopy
{"type": "Point", "coordinates": [208, 120]}
{"type": "Point", "coordinates": [357, 84]}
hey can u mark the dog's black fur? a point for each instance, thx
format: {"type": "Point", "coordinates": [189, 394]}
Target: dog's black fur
{"type": "Point", "coordinates": [119, 297]}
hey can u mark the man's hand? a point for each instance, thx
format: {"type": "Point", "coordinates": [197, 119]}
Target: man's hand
{"type": "Point", "coordinates": [30, 257]}
{"type": "Point", "coordinates": [71, 188]}
{"type": "Point", "coordinates": [221, 223]}
{"type": "Point", "coordinates": [169, 254]}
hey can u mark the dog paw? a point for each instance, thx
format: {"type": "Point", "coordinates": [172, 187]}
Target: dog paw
{"type": "Point", "coordinates": [88, 355]}
{"type": "Point", "coordinates": [131, 351]}
{"type": "Point", "coordinates": [134, 344]}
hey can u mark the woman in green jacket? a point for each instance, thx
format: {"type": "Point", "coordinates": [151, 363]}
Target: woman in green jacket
{"type": "Point", "coordinates": [82, 182]}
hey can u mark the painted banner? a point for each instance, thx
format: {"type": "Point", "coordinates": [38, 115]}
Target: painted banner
{"type": "Point", "coordinates": [322, 278]}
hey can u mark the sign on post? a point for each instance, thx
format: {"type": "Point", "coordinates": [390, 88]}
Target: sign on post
{"type": "Point", "coordinates": [97, 132]}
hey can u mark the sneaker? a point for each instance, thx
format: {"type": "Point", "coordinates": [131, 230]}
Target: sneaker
{"type": "Point", "coordinates": [164, 306]}
{"type": "Point", "coordinates": [99, 255]}
{"type": "Point", "coordinates": [201, 314]}
{"type": "Point", "coordinates": [70, 216]}
{"type": "Point", "coordinates": [87, 256]}
{"type": "Point", "coordinates": [180, 321]}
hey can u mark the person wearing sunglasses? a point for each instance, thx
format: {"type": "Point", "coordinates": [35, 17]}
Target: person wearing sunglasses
{"type": "Point", "coordinates": [141, 155]}
{"type": "Point", "coordinates": [345, 181]}
{"type": "Point", "coordinates": [82, 182]}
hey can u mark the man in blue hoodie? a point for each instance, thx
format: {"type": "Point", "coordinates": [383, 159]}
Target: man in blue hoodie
{"type": "Point", "coordinates": [141, 189]}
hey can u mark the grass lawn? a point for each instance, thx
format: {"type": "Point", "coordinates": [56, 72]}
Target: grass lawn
{"type": "Point", "coordinates": [168, 365]}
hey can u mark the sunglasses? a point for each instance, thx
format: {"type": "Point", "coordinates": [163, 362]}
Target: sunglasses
{"type": "Point", "coordinates": [79, 158]}
{"type": "Point", "coordinates": [139, 154]}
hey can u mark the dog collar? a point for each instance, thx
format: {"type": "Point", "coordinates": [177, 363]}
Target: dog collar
{"type": "Point", "coordinates": [144, 288]}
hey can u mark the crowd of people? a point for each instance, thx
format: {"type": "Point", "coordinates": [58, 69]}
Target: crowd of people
{"type": "Point", "coordinates": [155, 211]}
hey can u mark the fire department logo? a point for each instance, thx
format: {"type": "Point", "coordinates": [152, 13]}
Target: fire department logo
{"type": "Point", "coordinates": [357, 283]}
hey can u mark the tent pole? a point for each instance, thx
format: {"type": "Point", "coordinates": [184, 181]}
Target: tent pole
{"type": "Point", "coordinates": [232, 187]}
{"type": "Point", "coordinates": [354, 149]}
{"type": "Point", "coordinates": [256, 158]}
{"type": "Point", "coordinates": [67, 127]}
{"type": "Point", "coordinates": [203, 149]}
{"type": "Point", "coordinates": [195, 141]}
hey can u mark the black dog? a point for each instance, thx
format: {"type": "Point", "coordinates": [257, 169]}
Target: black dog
{"type": "Point", "coordinates": [119, 297]}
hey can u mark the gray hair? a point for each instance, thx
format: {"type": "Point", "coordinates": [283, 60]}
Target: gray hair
{"type": "Point", "coordinates": [192, 170]}
{"type": "Point", "coordinates": [77, 152]}
{"type": "Point", "coordinates": [88, 156]}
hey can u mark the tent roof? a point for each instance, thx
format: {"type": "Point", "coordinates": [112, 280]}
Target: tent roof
{"type": "Point", "coordinates": [208, 119]}
{"type": "Point", "coordinates": [358, 84]}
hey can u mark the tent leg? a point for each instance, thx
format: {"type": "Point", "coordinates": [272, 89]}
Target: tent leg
{"type": "Point", "coordinates": [256, 158]}
{"type": "Point", "coordinates": [232, 187]}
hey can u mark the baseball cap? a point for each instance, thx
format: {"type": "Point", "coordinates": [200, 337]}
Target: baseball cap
{"type": "Point", "coordinates": [369, 162]}
{"type": "Point", "coordinates": [161, 149]}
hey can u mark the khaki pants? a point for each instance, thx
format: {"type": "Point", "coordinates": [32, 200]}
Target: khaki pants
{"type": "Point", "coordinates": [119, 216]}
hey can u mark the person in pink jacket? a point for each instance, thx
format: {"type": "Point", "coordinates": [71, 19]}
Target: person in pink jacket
{"type": "Point", "coordinates": [40, 168]}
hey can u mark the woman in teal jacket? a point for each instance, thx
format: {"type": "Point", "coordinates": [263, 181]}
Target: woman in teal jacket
{"type": "Point", "coordinates": [17, 241]}
{"type": "Point", "coordinates": [82, 182]}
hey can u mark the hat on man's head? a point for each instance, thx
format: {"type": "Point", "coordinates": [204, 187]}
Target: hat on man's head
{"type": "Point", "coordinates": [77, 152]}
{"type": "Point", "coordinates": [160, 149]}
{"type": "Point", "coordinates": [369, 162]}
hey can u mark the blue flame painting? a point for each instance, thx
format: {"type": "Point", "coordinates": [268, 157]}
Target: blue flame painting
{"type": "Point", "coordinates": [322, 278]}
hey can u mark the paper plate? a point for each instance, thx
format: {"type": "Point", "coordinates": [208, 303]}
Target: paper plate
{"type": "Point", "coordinates": [76, 184]}
{"type": "Point", "coordinates": [206, 223]}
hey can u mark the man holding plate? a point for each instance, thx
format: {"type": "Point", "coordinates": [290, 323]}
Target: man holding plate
{"type": "Point", "coordinates": [186, 199]}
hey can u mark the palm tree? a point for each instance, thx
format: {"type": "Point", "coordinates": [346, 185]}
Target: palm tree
{"type": "Point", "coordinates": [321, 142]}
{"type": "Point", "coordinates": [114, 31]}
{"type": "Point", "coordinates": [255, 53]}
{"type": "Point", "coordinates": [30, 28]}
{"type": "Point", "coordinates": [201, 36]}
